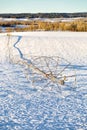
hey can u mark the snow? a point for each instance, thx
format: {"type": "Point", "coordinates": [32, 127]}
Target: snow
{"type": "Point", "coordinates": [27, 105]}
{"type": "Point", "coordinates": [42, 19]}
{"type": "Point", "coordinates": [69, 45]}
{"type": "Point", "coordinates": [8, 19]}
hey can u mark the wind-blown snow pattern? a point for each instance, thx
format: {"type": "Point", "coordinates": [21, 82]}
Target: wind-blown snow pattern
{"type": "Point", "coordinates": [26, 106]}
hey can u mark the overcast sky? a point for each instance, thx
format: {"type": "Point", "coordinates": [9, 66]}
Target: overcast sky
{"type": "Point", "coordinates": [36, 6]}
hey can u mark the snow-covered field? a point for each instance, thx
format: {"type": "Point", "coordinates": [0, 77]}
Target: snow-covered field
{"type": "Point", "coordinates": [29, 105]}
{"type": "Point", "coordinates": [42, 19]}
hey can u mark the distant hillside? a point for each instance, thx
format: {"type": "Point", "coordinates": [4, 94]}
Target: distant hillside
{"type": "Point", "coordinates": [44, 15]}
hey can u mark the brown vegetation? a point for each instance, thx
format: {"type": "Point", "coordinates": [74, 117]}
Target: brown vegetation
{"type": "Point", "coordinates": [77, 25]}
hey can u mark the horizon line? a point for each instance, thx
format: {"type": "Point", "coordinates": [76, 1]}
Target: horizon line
{"type": "Point", "coordinates": [42, 12]}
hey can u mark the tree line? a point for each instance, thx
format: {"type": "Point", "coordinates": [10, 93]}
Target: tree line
{"type": "Point", "coordinates": [44, 15]}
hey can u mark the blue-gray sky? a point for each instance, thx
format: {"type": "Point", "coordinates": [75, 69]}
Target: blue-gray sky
{"type": "Point", "coordinates": [36, 6]}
